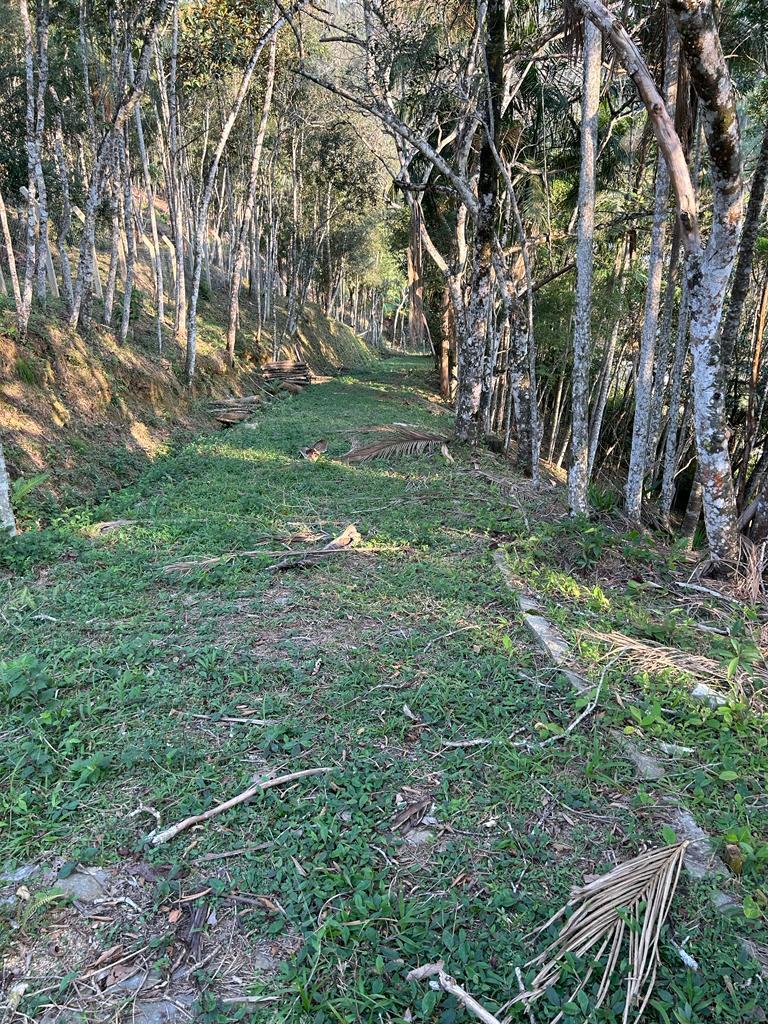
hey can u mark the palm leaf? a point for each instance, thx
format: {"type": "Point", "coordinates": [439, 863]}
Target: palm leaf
{"type": "Point", "coordinates": [631, 902]}
{"type": "Point", "coordinates": [401, 439]}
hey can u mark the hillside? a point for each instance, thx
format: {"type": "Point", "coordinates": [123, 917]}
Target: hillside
{"type": "Point", "coordinates": [90, 414]}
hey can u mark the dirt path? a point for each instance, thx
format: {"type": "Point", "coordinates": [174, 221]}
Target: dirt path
{"type": "Point", "coordinates": [135, 697]}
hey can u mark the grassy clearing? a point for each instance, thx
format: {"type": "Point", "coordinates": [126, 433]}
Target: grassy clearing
{"type": "Point", "coordinates": [119, 678]}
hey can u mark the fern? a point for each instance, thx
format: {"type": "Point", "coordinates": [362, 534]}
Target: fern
{"type": "Point", "coordinates": [37, 902]}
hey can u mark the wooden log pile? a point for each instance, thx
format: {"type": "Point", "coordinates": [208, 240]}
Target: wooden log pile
{"type": "Point", "coordinates": [287, 371]}
{"type": "Point", "coordinates": [287, 376]}
{"type": "Point", "coordinates": [234, 410]}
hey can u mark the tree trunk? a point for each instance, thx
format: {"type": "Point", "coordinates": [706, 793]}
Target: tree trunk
{"type": "Point", "coordinates": [673, 416]}
{"type": "Point", "coordinates": [662, 356]}
{"type": "Point", "coordinates": [578, 474]}
{"type": "Point", "coordinates": [130, 239]}
{"type": "Point", "coordinates": [238, 251]}
{"type": "Point", "coordinates": [473, 342]}
{"type": "Point", "coordinates": [157, 260]}
{"type": "Point", "coordinates": [10, 255]}
{"type": "Point", "coordinates": [743, 271]}
{"type": "Point", "coordinates": [707, 270]}
{"type": "Point", "coordinates": [7, 519]}
{"type": "Point", "coordinates": [416, 318]}
{"type": "Point", "coordinates": [65, 219]}
{"type": "Point", "coordinates": [644, 382]}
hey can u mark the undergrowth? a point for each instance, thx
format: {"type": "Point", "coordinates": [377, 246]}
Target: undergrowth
{"type": "Point", "coordinates": [117, 678]}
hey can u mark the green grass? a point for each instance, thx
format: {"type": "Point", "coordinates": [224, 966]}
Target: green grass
{"type": "Point", "coordinates": [108, 659]}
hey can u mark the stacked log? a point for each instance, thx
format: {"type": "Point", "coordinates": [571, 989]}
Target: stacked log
{"type": "Point", "coordinates": [234, 410]}
{"type": "Point", "coordinates": [288, 372]}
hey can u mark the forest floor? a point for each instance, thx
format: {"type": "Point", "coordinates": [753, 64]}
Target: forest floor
{"type": "Point", "coordinates": [133, 696]}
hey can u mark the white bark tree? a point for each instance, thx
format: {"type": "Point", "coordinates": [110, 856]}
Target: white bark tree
{"type": "Point", "coordinates": [708, 266]}
{"type": "Point", "coordinates": [646, 358]}
{"type": "Point", "coordinates": [7, 518]}
{"type": "Point", "coordinates": [578, 472]}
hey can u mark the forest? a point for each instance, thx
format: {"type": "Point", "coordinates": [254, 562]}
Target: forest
{"type": "Point", "coordinates": [383, 511]}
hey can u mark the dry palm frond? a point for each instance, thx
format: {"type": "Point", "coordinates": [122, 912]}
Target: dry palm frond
{"type": "Point", "coordinates": [402, 439]}
{"type": "Point", "coordinates": [751, 569]}
{"type": "Point", "coordinates": [631, 902]}
{"type": "Point", "coordinates": [650, 656]}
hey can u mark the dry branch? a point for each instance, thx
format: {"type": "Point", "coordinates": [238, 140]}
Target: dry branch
{"type": "Point", "coordinates": [290, 559]}
{"type": "Point", "coordinates": [441, 980]}
{"type": "Point", "coordinates": [158, 838]}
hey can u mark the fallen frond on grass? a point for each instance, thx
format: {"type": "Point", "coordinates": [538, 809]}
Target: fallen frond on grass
{"type": "Point", "coordinates": [629, 903]}
{"type": "Point", "coordinates": [652, 657]}
{"type": "Point", "coordinates": [401, 439]}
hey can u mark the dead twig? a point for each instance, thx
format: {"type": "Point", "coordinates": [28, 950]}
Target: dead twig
{"type": "Point", "coordinates": [579, 718]}
{"type": "Point", "coordinates": [440, 980]}
{"type": "Point", "coordinates": [456, 744]}
{"type": "Point", "coordinates": [158, 838]}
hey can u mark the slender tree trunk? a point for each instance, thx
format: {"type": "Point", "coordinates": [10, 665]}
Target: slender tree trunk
{"type": "Point", "coordinates": [752, 421]}
{"type": "Point", "coordinates": [473, 343]}
{"type": "Point", "coordinates": [157, 257]}
{"type": "Point", "coordinates": [662, 355]}
{"type": "Point", "coordinates": [7, 519]}
{"type": "Point", "coordinates": [32, 159]}
{"type": "Point", "coordinates": [692, 511]}
{"type": "Point", "coordinates": [43, 250]}
{"type": "Point", "coordinates": [238, 252]}
{"type": "Point", "coordinates": [10, 254]}
{"type": "Point", "coordinates": [578, 474]}
{"type": "Point", "coordinates": [130, 239]}
{"type": "Point", "coordinates": [743, 271]}
{"type": "Point", "coordinates": [114, 248]}
{"type": "Point", "coordinates": [65, 218]}
{"type": "Point", "coordinates": [671, 446]}
{"type": "Point", "coordinates": [644, 383]}
{"type": "Point", "coordinates": [416, 318]}
{"type": "Point", "coordinates": [447, 340]}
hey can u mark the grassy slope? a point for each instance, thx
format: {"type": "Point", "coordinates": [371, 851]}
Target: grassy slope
{"type": "Point", "coordinates": [92, 414]}
{"type": "Point", "coordinates": [343, 657]}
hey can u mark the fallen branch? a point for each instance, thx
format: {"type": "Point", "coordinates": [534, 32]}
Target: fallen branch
{"type": "Point", "coordinates": [579, 718]}
{"type": "Point", "coordinates": [466, 743]}
{"type": "Point", "coordinates": [158, 838]}
{"type": "Point", "coordinates": [709, 591]}
{"type": "Point", "coordinates": [441, 980]}
{"type": "Point", "coordinates": [349, 538]}
{"type": "Point", "coordinates": [236, 721]}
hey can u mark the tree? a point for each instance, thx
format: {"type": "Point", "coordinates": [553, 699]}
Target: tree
{"type": "Point", "coordinates": [708, 266]}
{"type": "Point", "coordinates": [578, 474]}
{"type": "Point", "coordinates": [7, 519]}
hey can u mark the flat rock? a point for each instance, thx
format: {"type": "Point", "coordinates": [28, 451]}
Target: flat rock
{"type": "Point", "coordinates": [419, 837]}
{"type": "Point", "coordinates": [84, 884]}
{"type": "Point", "coordinates": [703, 692]}
{"type": "Point", "coordinates": [160, 1011]}
{"type": "Point", "coordinates": [20, 874]}
{"type": "Point", "coordinates": [701, 860]}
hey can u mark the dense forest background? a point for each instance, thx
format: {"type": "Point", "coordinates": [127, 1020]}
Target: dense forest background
{"type": "Point", "coordinates": [570, 217]}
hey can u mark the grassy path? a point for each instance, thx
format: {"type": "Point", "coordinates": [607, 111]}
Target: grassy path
{"type": "Point", "coordinates": [127, 691]}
